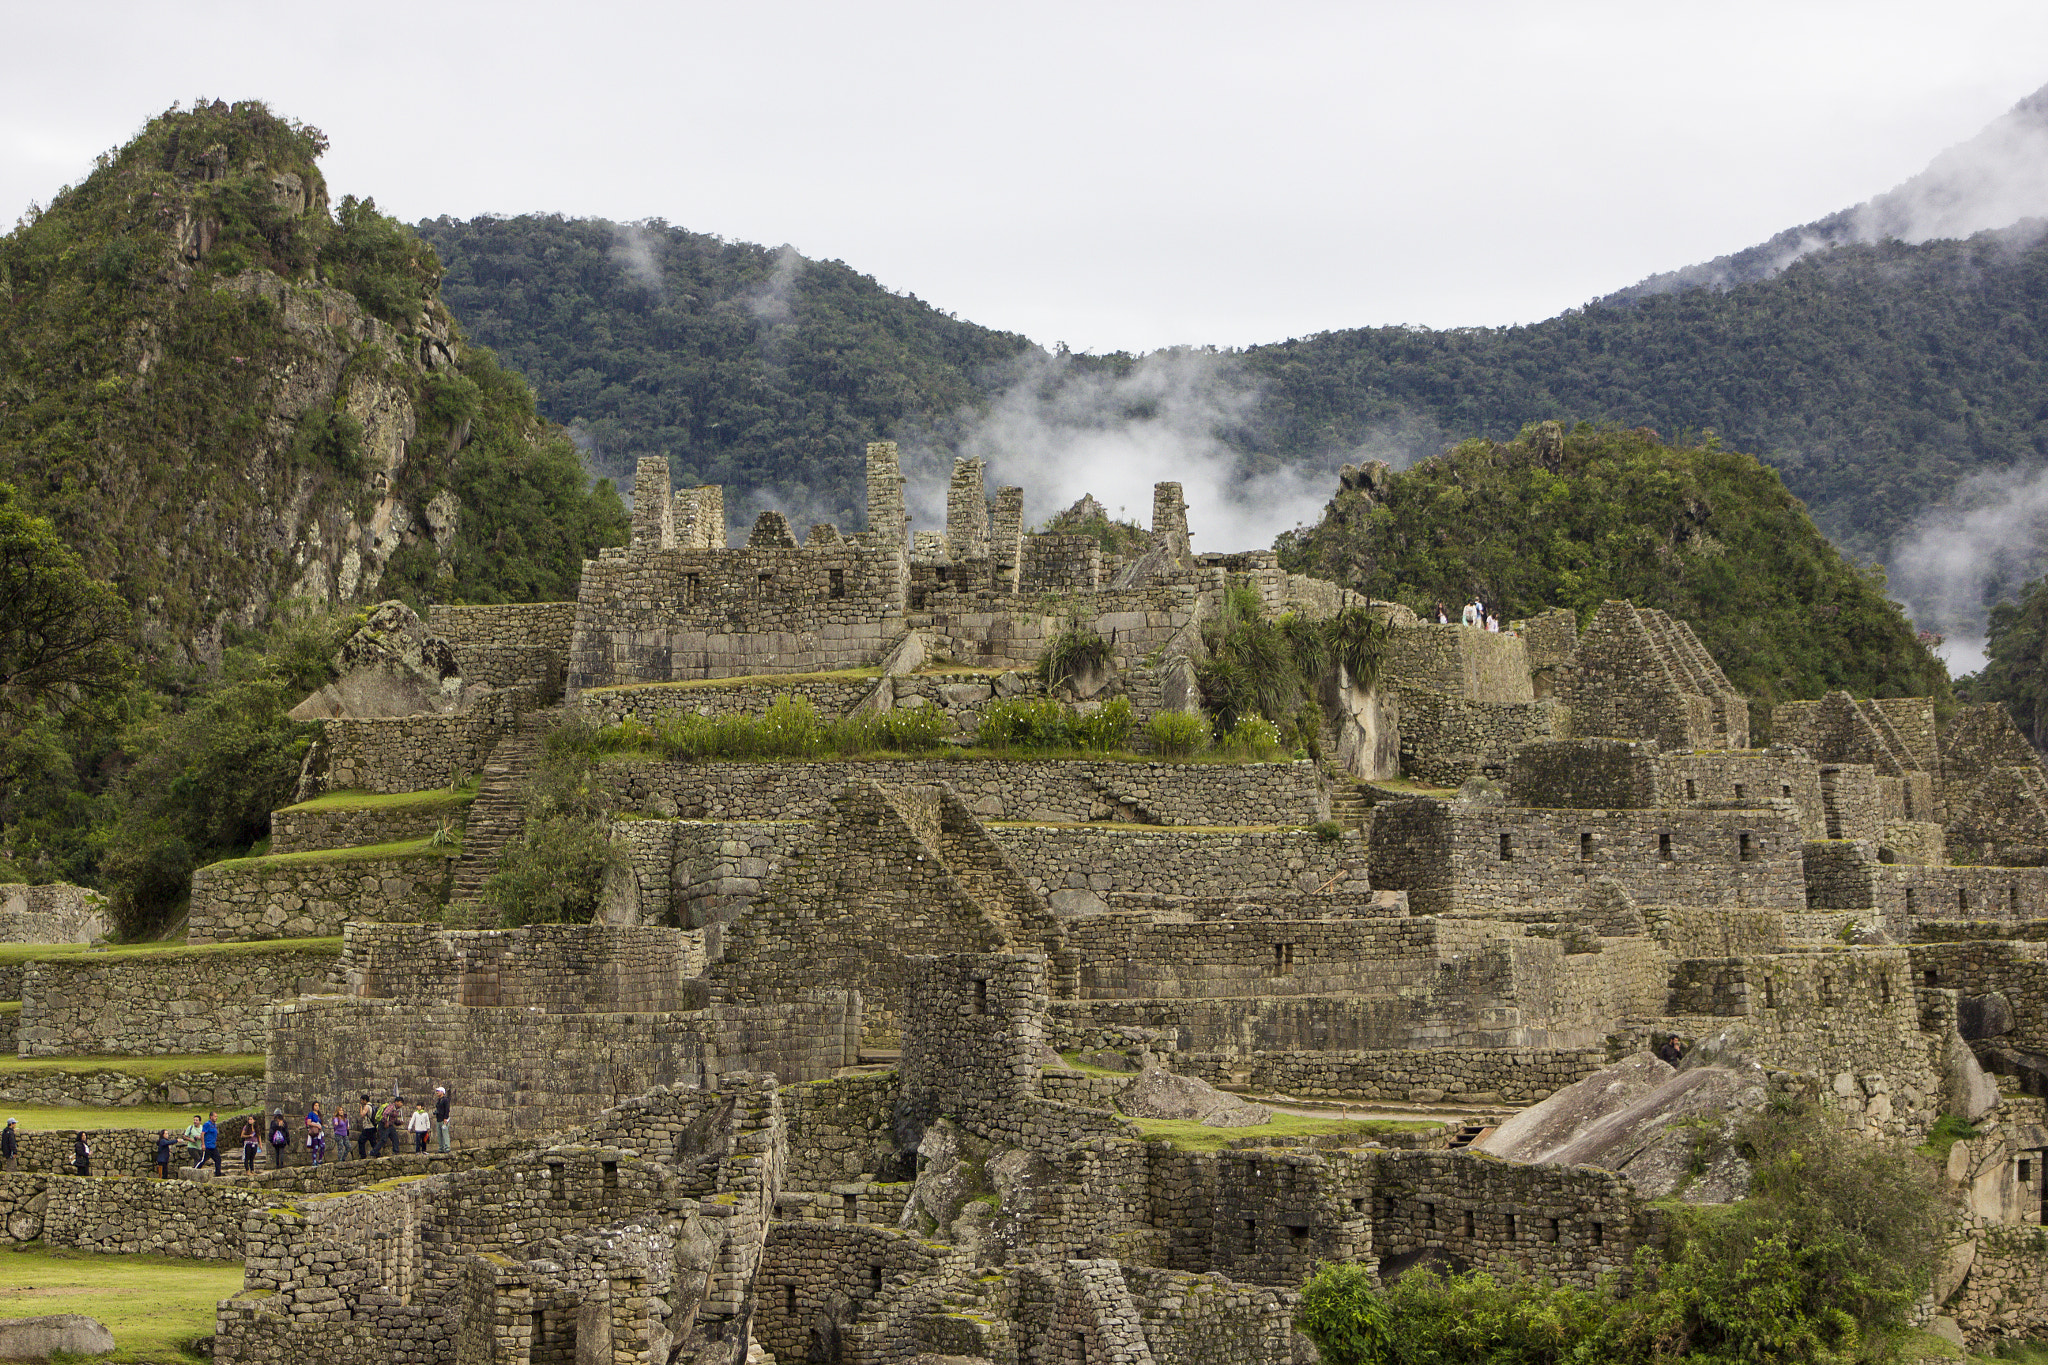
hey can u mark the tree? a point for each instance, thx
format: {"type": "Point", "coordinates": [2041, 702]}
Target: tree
{"type": "Point", "coordinates": [64, 635]}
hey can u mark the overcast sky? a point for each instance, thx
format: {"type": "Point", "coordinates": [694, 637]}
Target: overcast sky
{"type": "Point", "coordinates": [1107, 175]}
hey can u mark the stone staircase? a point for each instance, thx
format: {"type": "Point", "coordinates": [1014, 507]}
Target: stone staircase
{"type": "Point", "coordinates": [1350, 802]}
{"type": "Point", "coordinates": [498, 814]}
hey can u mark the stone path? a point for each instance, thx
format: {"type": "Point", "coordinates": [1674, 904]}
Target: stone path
{"type": "Point", "coordinates": [498, 814]}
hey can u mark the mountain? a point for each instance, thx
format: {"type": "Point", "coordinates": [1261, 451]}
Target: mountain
{"type": "Point", "coordinates": [746, 366]}
{"type": "Point", "coordinates": [1995, 180]}
{"type": "Point", "coordinates": [1571, 518]}
{"type": "Point", "coordinates": [226, 393]}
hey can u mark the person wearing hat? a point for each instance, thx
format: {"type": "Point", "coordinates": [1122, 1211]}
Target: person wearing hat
{"type": "Point", "coordinates": [10, 1143]}
{"type": "Point", "coordinates": [440, 1118]}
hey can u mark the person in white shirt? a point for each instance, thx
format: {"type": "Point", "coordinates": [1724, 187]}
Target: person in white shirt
{"type": "Point", "coordinates": [419, 1125]}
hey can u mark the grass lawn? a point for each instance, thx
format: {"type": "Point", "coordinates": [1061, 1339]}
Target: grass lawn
{"type": "Point", "coordinates": [404, 848]}
{"type": "Point", "coordinates": [45, 1118]}
{"type": "Point", "coordinates": [155, 1306]}
{"type": "Point", "coordinates": [38, 952]}
{"type": "Point", "coordinates": [360, 800]}
{"type": "Point", "coordinates": [149, 1068]}
{"type": "Point", "coordinates": [1190, 1136]}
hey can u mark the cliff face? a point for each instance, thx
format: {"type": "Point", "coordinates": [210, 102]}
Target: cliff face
{"type": "Point", "coordinates": [227, 396]}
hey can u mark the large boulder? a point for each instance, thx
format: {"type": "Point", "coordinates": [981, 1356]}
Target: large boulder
{"type": "Point", "coordinates": [390, 667]}
{"type": "Point", "coordinates": [1160, 1094]}
{"type": "Point", "coordinates": [40, 1338]}
{"type": "Point", "coordinates": [1669, 1130]}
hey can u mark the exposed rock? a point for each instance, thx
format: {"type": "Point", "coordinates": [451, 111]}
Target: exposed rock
{"type": "Point", "coordinates": [40, 1338]}
{"type": "Point", "coordinates": [1107, 1059]}
{"type": "Point", "coordinates": [945, 1176]}
{"type": "Point", "coordinates": [1072, 903]}
{"type": "Point", "coordinates": [1605, 908]}
{"type": "Point", "coordinates": [1667, 1130]}
{"type": "Point", "coordinates": [390, 667]}
{"type": "Point", "coordinates": [1984, 1016]}
{"type": "Point", "coordinates": [1965, 1089]}
{"type": "Point", "coordinates": [1160, 1094]}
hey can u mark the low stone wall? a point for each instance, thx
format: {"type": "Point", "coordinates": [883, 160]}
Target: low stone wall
{"type": "Point", "coordinates": [303, 829]}
{"type": "Point", "coordinates": [698, 872]}
{"type": "Point", "coordinates": [189, 1218]}
{"type": "Point", "coordinates": [653, 703]}
{"type": "Point", "coordinates": [266, 898]}
{"type": "Point", "coordinates": [116, 1089]}
{"type": "Point", "coordinates": [511, 1071]}
{"type": "Point", "coordinates": [509, 644]}
{"type": "Point", "coordinates": [115, 1151]}
{"type": "Point", "coordinates": [1445, 740]}
{"type": "Point", "coordinates": [1419, 1076]}
{"type": "Point", "coordinates": [1124, 859]}
{"type": "Point", "coordinates": [164, 1002]}
{"type": "Point", "coordinates": [56, 912]}
{"type": "Point", "coordinates": [415, 753]}
{"type": "Point", "coordinates": [1076, 790]}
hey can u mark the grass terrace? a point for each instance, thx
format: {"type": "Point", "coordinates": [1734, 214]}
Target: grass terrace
{"type": "Point", "coordinates": [431, 846]}
{"type": "Point", "coordinates": [40, 952]}
{"type": "Point", "coordinates": [66, 1118]}
{"type": "Point", "coordinates": [1190, 1135]}
{"type": "Point", "coordinates": [159, 1308]}
{"type": "Point", "coordinates": [451, 797]}
{"type": "Point", "coordinates": [154, 1068]}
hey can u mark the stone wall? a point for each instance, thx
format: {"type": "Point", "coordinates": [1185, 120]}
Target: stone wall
{"type": "Point", "coordinates": [1614, 774]}
{"type": "Point", "coordinates": [295, 896]}
{"type": "Point", "coordinates": [1638, 674]}
{"type": "Point", "coordinates": [1106, 860]}
{"type": "Point", "coordinates": [1070, 790]}
{"type": "Point", "coordinates": [655, 702]}
{"type": "Point", "coordinates": [1459, 662]}
{"type": "Point", "coordinates": [415, 753]}
{"type": "Point", "coordinates": [187, 1218]}
{"type": "Point", "coordinates": [97, 1087]}
{"type": "Point", "coordinates": [55, 912]}
{"type": "Point", "coordinates": [1573, 1224]}
{"type": "Point", "coordinates": [553, 968]}
{"type": "Point", "coordinates": [1417, 1076]}
{"type": "Point", "coordinates": [311, 829]}
{"type": "Point", "coordinates": [695, 873]}
{"type": "Point", "coordinates": [512, 1071]}
{"type": "Point", "coordinates": [2018, 971]}
{"type": "Point", "coordinates": [1445, 740]}
{"type": "Point", "coordinates": [1845, 875]}
{"type": "Point", "coordinates": [161, 1002]}
{"type": "Point", "coordinates": [1460, 856]}
{"type": "Point", "coordinates": [509, 644]}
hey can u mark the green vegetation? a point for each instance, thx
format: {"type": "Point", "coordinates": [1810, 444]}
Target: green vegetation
{"type": "Point", "coordinates": [555, 871]}
{"type": "Point", "coordinates": [1118, 536]}
{"type": "Point", "coordinates": [1033, 725]}
{"type": "Point", "coordinates": [49, 1118]}
{"type": "Point", "coordinates": [433, 845]}
{"type": "Point", "coordinates": [1191, 1135]}
{"type": "Point", "coordinates": [1263, 670]}
{"type": "Point", "coordinates": [744, 366]}
{"type": "Point", "coordinates": [30, 952]}
{"type": "Point", "coordinates": [777, 680]}
{"type": "Point", "coordinates": [2016, 662]}
{"type": "Point", "coordinates": [1948, 1130]}
{"type": "Point", "coordinates": [1074, 651]}
{"type": "Point", "coordinates": [153, 1068]}
{"type": "Point", "coordinates": [452, 797]}
{"type": "Point", "coordinates": [159, 1308]}
{"type": "Point", "coordinates": [1822, 1263]}
{"type": "Point", "coordinates": [1594, 513]}
{"type": "Point", "coordinates": [789, 729]}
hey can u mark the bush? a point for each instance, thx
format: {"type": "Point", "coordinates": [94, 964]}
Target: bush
{"type": "Point", "coordinates": [555, 871]}
{"type": "Point", "coordinates": [1106, 728]}
{"type": "Point", "coordinates": [1178, 734]}
{"type": "Point", "coordinates": [1074, 651]}
{"type": "Point", "coordinates": [1329, 831]}
{"type": "Point", "coordinates": [1025, 723]}
{"type": "Point", "coordinates": [1252, 737]}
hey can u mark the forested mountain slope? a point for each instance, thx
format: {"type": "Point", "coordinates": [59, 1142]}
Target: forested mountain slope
{"type": "Point", "coordinates": [1558, 518]}
{"type": "Point", "coordinates": [225, 395]}
{"type": "Point", "coordinates": [744, 365]}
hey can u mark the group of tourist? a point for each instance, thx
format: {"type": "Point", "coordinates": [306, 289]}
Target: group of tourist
{"type": "Point", "coordinates": [1475, 615]}
{"type": "Point", "coordinates": [376, 1131]}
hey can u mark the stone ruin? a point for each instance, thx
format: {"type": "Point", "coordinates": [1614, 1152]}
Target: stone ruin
{"type": "Point", "coordinates": [861, 1061]}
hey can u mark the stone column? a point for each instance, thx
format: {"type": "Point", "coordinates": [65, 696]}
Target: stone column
{"type": "Point", "coordinates": [966, 513]}
{"type": "Point", "coordinates": [1007, 552]}
{"type": "Point", "coordinates": [1170, 521]}
{"type": "Point", "coordinates": [885, 497]}
{"type": "Point", "coordinates": [653, 516]}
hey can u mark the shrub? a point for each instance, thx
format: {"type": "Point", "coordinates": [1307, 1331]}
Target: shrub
{"type": "Point", "coordinates": [1074, 651]}
{"type": "Point", "coordinates": [1329, 831]}
{"type": "Point", "coordinates": [554, 872]}
{"type": "Point", "coordinates": [1025, 723]}
{"type": "Point", "coordinates": [1178, 734]}
{"type": "Point", "coordinates": [919, 727]}
{"type": "Point", "coordinates": [1108, 727]}
{"type": "Point", "coordinates": [1252, 737]}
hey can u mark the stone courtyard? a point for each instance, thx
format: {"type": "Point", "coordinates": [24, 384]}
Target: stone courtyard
{"type": "Point", "coordinates": [862, 1058]}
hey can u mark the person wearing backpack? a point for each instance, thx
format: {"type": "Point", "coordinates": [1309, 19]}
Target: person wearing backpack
{"type": "Point", "coordinates": [279, 1139]}
{"type": "Point", "coordinates": [366, 1131]}
{"type": "Point", "coordinates": [163, 1154]}
{"type": "Point", "coordinates": [441, 1118]}
{"type": "Point", "coordinates": [195, 1141]}
{"type": "Point", "coordinates": [10, 1143]}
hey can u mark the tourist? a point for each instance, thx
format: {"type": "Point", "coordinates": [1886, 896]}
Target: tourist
{"type": "Point", "coordinates": [316, 1143]}
{"type": "Point", "coordinates": [195, 1141]}
{"type": "Point", "coordinates": [81, 1155]}
{"type": "Point", "coordinates": [1443, 614]}
{"type": "Point", "coordinates": [249, 1144]}
{"type": "Point", "coordinates": [10, 1143]}
{"type": "Point", "coordinates": [366, 1131]}
{"type": "Point", "coordinates": [163, 1154]}
{"type": "Point", "coordinates": [315, 1123]}
{"type": "Point", "coordinates": [279, 1139]}
{"type": "Point", "coordinates": [419, 1125]}
{"type": "Point", "coordinates": [1471, 614]}
{"type": "Point", "coordinates": [210, 1135]}
{"type": "Point", "coordinates": [1493, 622]}
{"type": "Point", "coordinates": [441, 1118]}
{"type": "Point", "coordinates": [1667, 1051]}
{"type": "Point", "coordinates": [341, 1134]}
{"type": "Point", "coordinates": [387, 1126]}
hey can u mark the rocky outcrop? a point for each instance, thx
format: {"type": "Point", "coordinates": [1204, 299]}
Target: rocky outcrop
{"type": "Point", "coordinates": [1160, 1094]}
{"type": "Point", "coordinates": [390, 667]}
